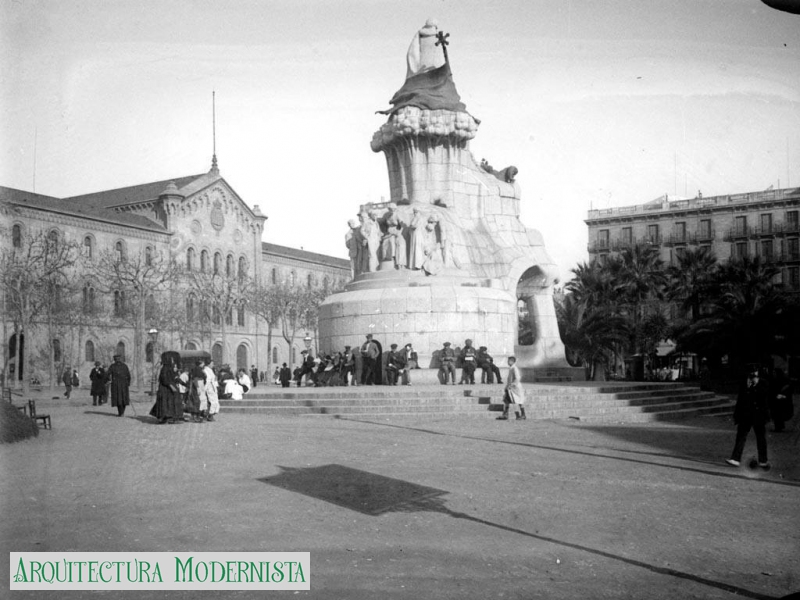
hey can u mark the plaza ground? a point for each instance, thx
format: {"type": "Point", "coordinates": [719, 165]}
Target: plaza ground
{"type": "Point", "coordinates": [411, 507]}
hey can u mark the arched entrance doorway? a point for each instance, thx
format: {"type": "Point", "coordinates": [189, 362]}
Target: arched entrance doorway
{"type": "Point", "coordinates": [241, 357]}
{"type": "Point", "coordinates": [531, 284]}
{"type": "Point", "coordinates": [13, 372]}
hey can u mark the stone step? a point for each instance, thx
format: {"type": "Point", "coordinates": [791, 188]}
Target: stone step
{"type": "Point", "coordinates": [585, 402]}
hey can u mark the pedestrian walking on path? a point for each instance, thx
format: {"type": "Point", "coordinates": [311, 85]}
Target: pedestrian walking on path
{"type": "Point", "coordinates": [751, 412]}
{"type": "Point", "coordinates": [120, 379]}
{"type": "Point", "coordinates": [514, 392]}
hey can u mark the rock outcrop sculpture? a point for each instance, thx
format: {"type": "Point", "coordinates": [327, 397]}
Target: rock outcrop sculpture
{"type": "Point", "coordinates": [453, 259]}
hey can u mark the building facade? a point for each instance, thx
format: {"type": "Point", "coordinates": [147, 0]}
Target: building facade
{"type": "Point", "coordinates": [763, 224]}
{"type": "Point", "coordinates": [198, 222]}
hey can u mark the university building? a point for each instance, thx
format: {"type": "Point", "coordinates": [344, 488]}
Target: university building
{"type": "Point", "coordinates": [198, 221]}
{"type": "Point", "coordinates": [763, 224]}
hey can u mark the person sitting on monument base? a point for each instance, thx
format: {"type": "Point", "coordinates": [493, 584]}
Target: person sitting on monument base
{"type": "Point", "coordinates": [395, 365]}
{"type": "Point", "coordinates": [489, 370]}
{"type": "Point", "coordinates": [469, 363]}
{"type": "Point", "coordinates": [447, 359]}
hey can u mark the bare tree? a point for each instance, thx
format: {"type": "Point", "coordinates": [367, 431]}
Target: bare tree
{"type": "Point", "coordinates": [135, 281]}
{"type": "Point", "coordinates": [219, 294]}
{"type": "Point", "coordinates": [29, 274]}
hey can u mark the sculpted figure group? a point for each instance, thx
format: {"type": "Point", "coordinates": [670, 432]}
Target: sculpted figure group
{"type": "Point", "coordinates": [392, 240]}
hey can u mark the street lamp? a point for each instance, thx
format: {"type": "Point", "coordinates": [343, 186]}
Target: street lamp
{"type": "Point", "coordinates": [153, 335]}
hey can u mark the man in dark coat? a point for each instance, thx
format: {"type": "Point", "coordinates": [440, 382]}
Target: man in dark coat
{"type": "Point", "coordinates": [469, 362]}
{"type": "Point", "coordinates": [489, 370]}
{"type": "Point", "coordinates": [67, 379]}
{"type": "Point", "coordinates": [120, 378]}
{"type": "Point", "coordinates": [98, 378]}
{"type": "Point", "coordinates": [285, 376]}
{"type": "Point", "coordinates": [370, 354]}
{"type": "Point", "coordinates": [751, 412]}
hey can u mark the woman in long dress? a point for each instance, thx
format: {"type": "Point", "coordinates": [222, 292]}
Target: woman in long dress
{"type": "Point", "coordinates": [168, 406]}
{"type": "Point", "coordinates": [211, 390]}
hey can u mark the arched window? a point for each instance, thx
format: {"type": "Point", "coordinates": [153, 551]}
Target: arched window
{"type": "Point", "coordinates": [275, 355]}
{"type": "Point", "coordinates": [119, 251]}
{"type": "Point", "coordinates": [52, 240]}
{"type": "Point", "coordinates": [240, 315]}
{"type": "Point", "coordinates": [190, 346]}
{"type": "Point", "coordinates": [241, 357]}
{"type": "Point", "coordinates": [120, 351]}
{"type": "Point", "coordinates": [216, 353]}
{"type": "Point", "coordinates": [148, 352]}
{"type": "Point", "coordinates": [217, 263]}
{"type": "Point", "coordinates": [229, 266]}
{"type": "Point", "coordinates": [294, 355]}
{"type": "Point", "coordinates": [16, 236]}
{"type": "Point", "coordinates": [229, 316]}
{"type": "Point", "coordinates": [325, 283]}
{"type": "Point", "coordinates": [215, 316]}
{"type": "Point", "coordinates": [274, 275]}
{"type": "Point", "coordinates": [57, 351]}
{"type": "Point", "coordinates": [204, 311]}
{"type": "Point", "coordinates": [148, 256]}
{"type": "Point", "coordinates": [190, 308]}
{"type": "Point", "coordinates": [149, 307]}
{"type": "Point", "coordinates": [242, 267]}
{"type": "Point", "coordinates": [88, 247]}
{"type": "Point", "coordinates": [190, 259]}
{"type": "Point", "coordinates": [204, 261]}
{"type": "Point", "coordinates": [294, 278]}
{"type": "Point", "coordinates": [310, 280]}
{"type": "Point", "coordinates": [88, 299]}
{"type": "Point", "coordinates": [88, 351]}
{"type": "Point", "coordinates": [119, 303]}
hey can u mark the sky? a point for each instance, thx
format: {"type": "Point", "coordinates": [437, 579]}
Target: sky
{"type": "Point", "coordinates": [598, 104]}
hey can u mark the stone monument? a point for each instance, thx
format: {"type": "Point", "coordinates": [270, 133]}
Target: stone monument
{"type": "Point", "coordinates": [447, 259]}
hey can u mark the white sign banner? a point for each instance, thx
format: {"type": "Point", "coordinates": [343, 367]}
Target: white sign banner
{"type": "Point", "coordinates": [160, 571]}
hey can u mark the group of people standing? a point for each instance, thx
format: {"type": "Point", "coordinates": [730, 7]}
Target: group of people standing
{"type": "Point", "coordinates": [113, 382]}
{"type": "Point", "coordinates": [195, 390]}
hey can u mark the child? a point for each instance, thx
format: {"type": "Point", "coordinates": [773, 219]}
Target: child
{"type": "Point", "coordinates": [514, 394]}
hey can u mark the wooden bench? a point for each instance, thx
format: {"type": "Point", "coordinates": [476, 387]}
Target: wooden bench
{"type": "Point", "coordinates": [45, 419]}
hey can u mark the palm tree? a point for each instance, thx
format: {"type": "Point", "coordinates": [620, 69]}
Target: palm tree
{"type": "Point", "coordinates": [746, 314]}
{"type": "Point", "coordinates": [690, 281]}
{"type": "Point", "coordinates": [641, 278]}
{"type": "Point", "coordinates": [590, 335]}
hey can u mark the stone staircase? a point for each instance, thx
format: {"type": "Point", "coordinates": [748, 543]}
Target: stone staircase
{"type": "Point", "coordinates": [584, 401]}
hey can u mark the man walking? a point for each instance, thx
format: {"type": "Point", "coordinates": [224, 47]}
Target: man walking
{"type": "Point", "coordinates": [120, 378]}
{"type": "Point", "coordinates": [751, 412]}
{"type": "Point", "coordinates": [98, 378]}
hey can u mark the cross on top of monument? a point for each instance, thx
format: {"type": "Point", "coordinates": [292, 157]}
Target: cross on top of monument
{"type": "Point", "coordinates": [442, 41]}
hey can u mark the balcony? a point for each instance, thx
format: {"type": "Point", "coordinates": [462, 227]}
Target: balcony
{"type": "Point", "coordinates": [738, 233]}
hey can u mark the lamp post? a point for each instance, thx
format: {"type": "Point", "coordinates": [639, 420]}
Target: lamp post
{"type": "Point", "coordinates": [153, 335]}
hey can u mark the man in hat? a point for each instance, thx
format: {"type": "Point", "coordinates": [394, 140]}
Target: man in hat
{"type": "Point", "coordinates": [98, 378]}
{"type": "Point", "coordinates": [514, 393]}
{"type": "Point", "coordinates": [469, 362]}
{"type": "Point", "coordinates": [751, 412]}
{"type": "Point", "coordinates": [395, 364]}
{"type": "Point", "coordinates": [347, 367]}
{"type": "Point", "coordinates": [370, 354]}
{"type": "Point", "coordinates": [447, 359]}
{"type": "Point", "coordinates": [489, 370]}
{"type": "Point", "coordinates": [306, 368]}
{"type": "Point", "coordinates": [120, 378]}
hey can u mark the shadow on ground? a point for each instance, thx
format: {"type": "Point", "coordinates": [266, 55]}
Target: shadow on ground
{"type": "Point", "coordinates": [374, 495]}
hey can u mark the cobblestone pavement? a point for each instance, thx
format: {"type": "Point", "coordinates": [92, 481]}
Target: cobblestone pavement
{"type": "Point", "coordinates": [413, 507]}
